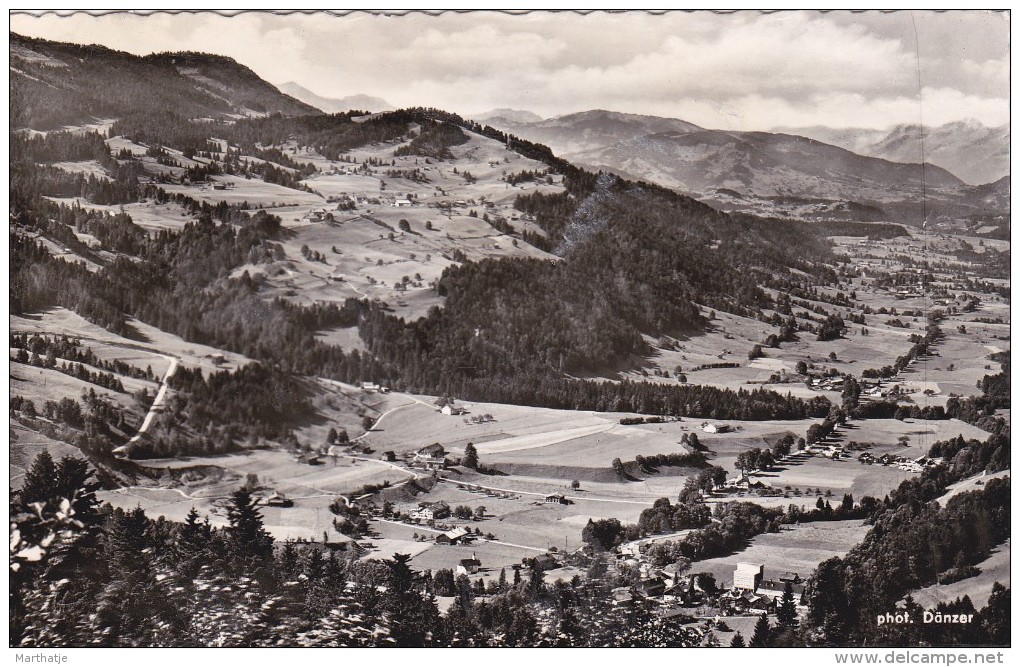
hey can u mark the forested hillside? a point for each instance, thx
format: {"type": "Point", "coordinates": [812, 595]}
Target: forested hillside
{"type": "Point", "coordinates": [638, 260]}
{"type": "Point", "coordinates": [54, 84]}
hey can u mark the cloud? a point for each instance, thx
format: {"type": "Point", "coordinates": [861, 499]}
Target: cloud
{"type": "Point", "coordinates": [746, 70]}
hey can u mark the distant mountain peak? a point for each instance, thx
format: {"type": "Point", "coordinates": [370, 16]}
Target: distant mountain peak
{"type": "Point", "coordinates": [967, 148]}
{"type": "Point", "coordinates": [335, 104]}
{"type": "Point", "coordinates": [511, 115]}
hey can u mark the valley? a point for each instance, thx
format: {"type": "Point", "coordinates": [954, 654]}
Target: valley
{"type": "Point", "coordinates": [406, 342]}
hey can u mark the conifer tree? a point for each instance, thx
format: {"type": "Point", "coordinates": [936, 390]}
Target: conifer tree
{"type": "Point", "coordinates": [760, 638]}
{"type": "Point", "coordinates": [787, 612]}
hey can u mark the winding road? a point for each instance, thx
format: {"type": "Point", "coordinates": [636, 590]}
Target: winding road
{"type": "Point", "coordinates": [156, 407]}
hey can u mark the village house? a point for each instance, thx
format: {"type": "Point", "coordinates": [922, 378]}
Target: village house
{"type": "Point", "coordinates": [542, 562]}
{"type": "Point", "coordinates": [742, 602]}
{"type": "Point", "coordinates": [388, 456]}
{"type": "Point", "coordinates": [672, 573]}
{"type": "Point", "coordinates": [469, 565]}
{"type": "Point", "coordinates": [739, 483]}
{"type": "Point", "coordinates": [622, 597]}
{"type": "Point", "coordinates": [452, 536]}
{"type": "Point", "coordinates": [430, 511]}
{"type": "Point", "coordinates": [623, 564]}
{"type": "Point", "coordinates": [277, 499]}
{"type": "Point", "coordinates": [775, 588]}
{"type": "Point", "coordinates": [651, 587]}
{"type": "Point", "coordinates": [688, 591]}
{"type": "Point", "coordinates": [431, 457]}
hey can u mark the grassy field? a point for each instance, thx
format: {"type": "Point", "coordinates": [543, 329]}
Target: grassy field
{"type": "Point", "coordinates": [970, 484]}
{"type": "Point", "coordinates": [148, 215]}
{"type": "Point", "coordinates": [281, 471]}
{"type": "Point", "coordinates": [25, 445]}
{"type": "Point", "coordinates": [798, 548]}
{"type": "Point", "coordinates": [42, 384]}
{"type": "Point", "coordinates": [151, 341]}
{"type": "Point", "coordinates": [995, 569]}
{"type": "Point", "coordinates": [307, 519]}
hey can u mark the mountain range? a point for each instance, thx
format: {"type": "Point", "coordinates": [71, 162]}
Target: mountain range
{"type": "Point", "coordinates": [334, 104]}
{"type": "Point", "coordinates": [55, 84]}
{"type": "Point", "coordinates": [702, 162]}
{"type": "Point", "coordinates": [970, 150]}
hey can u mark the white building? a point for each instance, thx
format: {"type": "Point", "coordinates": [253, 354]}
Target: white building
{"type": "Point", "coordinates": [748, 576]}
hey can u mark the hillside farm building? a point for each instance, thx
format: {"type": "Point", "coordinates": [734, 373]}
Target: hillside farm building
{"type": "Point", "coordinates": [431, 511]}
{"type": "Point", "coordinates": [431, 457]}
{"type": "Point", "coordinates": [452, 536]}
{"type": "Point", "coordinates": [469, 565]}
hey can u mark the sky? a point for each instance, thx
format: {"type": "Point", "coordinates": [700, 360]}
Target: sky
{"type": "Point", "coordinates": [746, 70]}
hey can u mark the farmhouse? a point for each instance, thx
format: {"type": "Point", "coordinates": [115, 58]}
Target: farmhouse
{"type": "Point", "coordinates": [388, 456]}
{"type": "Point", "coordinates": [402, 202]}
{"type": "Point", "coordinates": [716, 428]}
{"type": "Point", "coordinates": [741, 482]}
{"type": "Point", "coordinates": [431, 511]}
{"type": "Point", "coordinates": [469, 565]}
{"type": "Point", "coordinates": [744, 601]}
{"type": "Point", "coordinates": [556, 499]}
{"type": "Point", "coordinates": [450, 409]}
{"type": "Point", "coordinates": [774, 588]}
{"type": "Point", "coordinates": [542, 562]}
{"type": "Point", "coordinates": [432, 457]}
{"type": "Point", "coordinates": [687, 591]}
{"type": "Point", "coordinates": [652, 587]}
{"type": "Point", "coordinates": [277, 499]}
{"type": "Point", "coordinates": [671, 573]}
{"type": "Point", "coordinates": [452, 536]}
{"type": "Point", "coordinates": [622, 597]}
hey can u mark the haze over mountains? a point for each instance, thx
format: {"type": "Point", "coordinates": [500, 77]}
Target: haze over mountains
{"type": "Point", "coordinates": [334, 104]}
{"type": "Point", "coordinates": [975, 153]}
{"type": "Point", "coordinates": [507, 116]}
